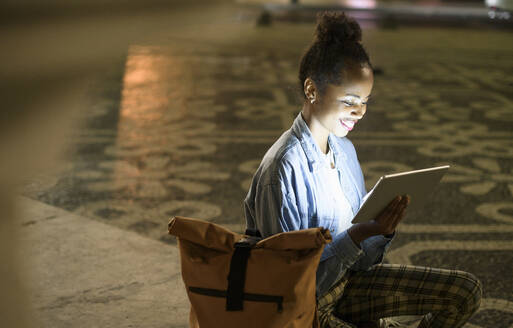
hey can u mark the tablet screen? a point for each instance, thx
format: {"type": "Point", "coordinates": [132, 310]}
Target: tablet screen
{"type": "Point", "coordinates": [418, 184]}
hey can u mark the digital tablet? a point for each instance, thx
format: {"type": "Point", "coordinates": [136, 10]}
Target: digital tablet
{"type": "Point", "coordinates": [418, 184]}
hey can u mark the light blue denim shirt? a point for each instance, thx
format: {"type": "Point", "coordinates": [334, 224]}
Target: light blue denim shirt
{"type": "Point", "coordinates": [288, 192]}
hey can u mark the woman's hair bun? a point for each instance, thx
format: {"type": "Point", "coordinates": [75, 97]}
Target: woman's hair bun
{"type": "Point", "coordinates": [336, 27]}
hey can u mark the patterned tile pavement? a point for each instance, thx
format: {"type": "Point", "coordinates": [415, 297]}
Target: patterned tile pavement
{"type": "Point", "coordinates": [181, 123]}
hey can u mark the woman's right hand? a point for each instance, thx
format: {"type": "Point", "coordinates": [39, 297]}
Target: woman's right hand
{"type": "Point", "coordinates": [389, 218]}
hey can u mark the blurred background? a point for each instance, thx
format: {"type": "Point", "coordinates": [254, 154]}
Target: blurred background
{"type": "Point", "coordinates": [121, 114]}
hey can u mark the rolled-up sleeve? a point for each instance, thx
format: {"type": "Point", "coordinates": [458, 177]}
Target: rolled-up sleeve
{"type": "Point", "coordinates": [276, 211]}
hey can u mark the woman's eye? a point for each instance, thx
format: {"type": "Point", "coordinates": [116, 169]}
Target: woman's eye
{"type": "Point", "coordinates": [348, 103]}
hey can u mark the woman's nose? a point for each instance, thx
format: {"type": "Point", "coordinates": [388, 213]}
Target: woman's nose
{"type": "Point", "coordinates": [358, 111]}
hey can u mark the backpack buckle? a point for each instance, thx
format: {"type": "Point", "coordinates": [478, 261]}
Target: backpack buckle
{"type": "Point", "coordinates": [247, 242]}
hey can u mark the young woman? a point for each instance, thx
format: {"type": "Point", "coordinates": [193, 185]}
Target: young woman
{"type": "Point", "coordinates": [311, 177]}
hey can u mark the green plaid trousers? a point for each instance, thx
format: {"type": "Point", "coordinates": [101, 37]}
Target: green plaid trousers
{"type": "Point", "coordinates": [446, 298]}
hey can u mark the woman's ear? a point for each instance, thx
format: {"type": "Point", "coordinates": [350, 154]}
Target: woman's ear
{"type": "Point", "coordinates": [310, 90]}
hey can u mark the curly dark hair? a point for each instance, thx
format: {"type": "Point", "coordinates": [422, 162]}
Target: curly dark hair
{"type": "Point", "coordinates": [336, 46]}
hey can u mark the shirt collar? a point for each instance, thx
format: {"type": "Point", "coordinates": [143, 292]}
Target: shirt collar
{"type": "Point", "coordinates": [313, 153]}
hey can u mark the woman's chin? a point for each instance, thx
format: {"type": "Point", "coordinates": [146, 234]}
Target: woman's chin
{"type": "Point", "coordinates": [341, 133]}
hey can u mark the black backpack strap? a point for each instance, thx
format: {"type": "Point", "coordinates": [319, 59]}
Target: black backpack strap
{"type": "Point", "coordinates": [254, 233]}
{"type": "Point", "coordinates": [237, 275]}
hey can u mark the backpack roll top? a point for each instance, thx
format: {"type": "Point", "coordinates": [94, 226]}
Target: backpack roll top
{"type": "Point", "coordinates": [203, 233]}
{"type": "Point", "coordinates": [312, 238]}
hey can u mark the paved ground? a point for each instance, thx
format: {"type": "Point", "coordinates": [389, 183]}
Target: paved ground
{"type": "Point", "coordinates": [83, 273]}
{"type": "Point", "coordinates": [179, 125]}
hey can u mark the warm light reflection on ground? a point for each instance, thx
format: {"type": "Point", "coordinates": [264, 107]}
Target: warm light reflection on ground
{"type": "Point", "coordinates": [150, 83]}
{"type": "Point", "coordinates": [144, 94]}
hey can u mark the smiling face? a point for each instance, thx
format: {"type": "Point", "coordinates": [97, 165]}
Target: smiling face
{"type": "Point", "coordinates": [341, 106]}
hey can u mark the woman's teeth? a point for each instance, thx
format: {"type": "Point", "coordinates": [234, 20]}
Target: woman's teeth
{"type": "Point", "coordinates": [349, 125]}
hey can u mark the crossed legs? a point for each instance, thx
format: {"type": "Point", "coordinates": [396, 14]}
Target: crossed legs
{"type": "Point", "coordinates": [446, 298]}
